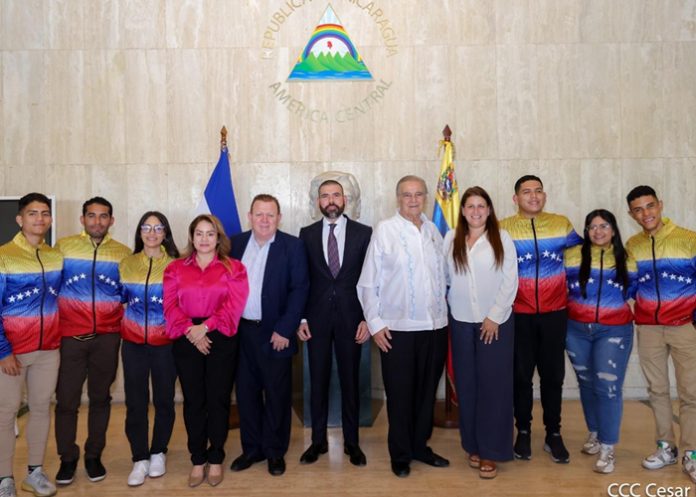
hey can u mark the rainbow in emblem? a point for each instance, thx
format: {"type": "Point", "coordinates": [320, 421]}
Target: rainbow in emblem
{"type": "Point", "coordinates": [329, 54]}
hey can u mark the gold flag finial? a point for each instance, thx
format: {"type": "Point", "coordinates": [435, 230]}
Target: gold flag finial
{"type": "Point", "coordinates": [223, 138]}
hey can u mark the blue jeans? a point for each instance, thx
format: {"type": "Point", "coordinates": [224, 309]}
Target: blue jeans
{"type": "Point", "coordinates": [599, 354]}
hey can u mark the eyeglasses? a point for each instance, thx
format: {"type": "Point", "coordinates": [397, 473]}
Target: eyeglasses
{"type": "Point", "coordinates": [595, 227]}
{"type": "Point", "coordinates": [157, 228]}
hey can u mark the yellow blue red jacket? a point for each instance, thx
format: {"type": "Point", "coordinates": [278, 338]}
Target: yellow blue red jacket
{"type": "Point", "coordinates": [540, 244]}
{"type": "Point", "coordinates": [90, 297]}
{"type": "Point", "coordinates": [29, 283]}
{"type": "Point", "coordinates": [666, 291]}
{"type": "Point", "coordinates": [607, 299]}
{"type": "Point", "coordinates": [141, 283]}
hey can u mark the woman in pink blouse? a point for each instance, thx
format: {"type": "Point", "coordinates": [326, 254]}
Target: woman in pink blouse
{"type": "Point", "coordinates": [204, 295]}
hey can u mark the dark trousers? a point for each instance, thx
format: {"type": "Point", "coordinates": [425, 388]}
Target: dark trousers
{"type": "Point", "coordinates": [483, 376]}
{"type": "Point", "coordinates": [540, 342]}
{"type": "Point", "coordinates": [411, 371]}
{"type": "Point", "coordinates": [96, 361]}
{"type": "Point", "coordinates": [440, 348]}
{"type": "Point", "coordinates": [206, 382]}
{"type": "Point", "coordinates": [337, 335]}
{"type": "Point", "coordinates": [141, 363]}
{"type": "Point", "coordinates": [264, 396]}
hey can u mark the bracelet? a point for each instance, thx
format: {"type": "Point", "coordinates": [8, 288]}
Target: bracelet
{"type": "Point", "coordinates": [206, 327]}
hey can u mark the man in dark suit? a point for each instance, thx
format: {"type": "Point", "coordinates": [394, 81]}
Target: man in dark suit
{"type": "Point", "coordinates": [336, 248]}
{"type": "Point", "coordinates": [276, 266]}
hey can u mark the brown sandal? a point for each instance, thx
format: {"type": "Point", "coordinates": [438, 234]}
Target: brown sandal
{"type": "Point", "coordinates": [487, 469]}
{"type": "Point", "coordinates": [474, 461]}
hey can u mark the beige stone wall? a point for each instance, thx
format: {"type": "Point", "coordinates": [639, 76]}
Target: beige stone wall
{"type": "Point", "coordinates": [125, 98]}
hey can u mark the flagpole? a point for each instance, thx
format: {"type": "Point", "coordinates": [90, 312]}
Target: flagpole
{"type": "Point", "coordinates": [234, 410]}
{"type": "Point", "coordinates": [446, 413]}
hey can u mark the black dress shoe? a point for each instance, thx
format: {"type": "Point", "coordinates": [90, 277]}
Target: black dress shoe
{"type": "Point", "coordinates": [401, 469]}
{"type": "Point", "coordinates": [276, 466]}
{"type": "Point", "coordinates": [357, 457]}
{"type": "Point", "coordinates": [432, 459]}
{"type": "Point", "coordinates": [313, 452]}
{"type": "Point", "coordinates": [244, 462]}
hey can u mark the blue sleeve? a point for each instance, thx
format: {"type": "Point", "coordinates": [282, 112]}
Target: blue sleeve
{"type": "Point", "coordinates": [123, 292]}
{"type": "Point", "coordinates": [5, 347]}
{"type": "Point", "coordinates": [298, 290]}
{"type": "Point", "coordinates": [632, 269]}
{"type": "Point", "coordinates": [572, 238]}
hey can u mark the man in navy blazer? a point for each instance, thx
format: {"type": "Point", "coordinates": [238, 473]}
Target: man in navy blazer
{"type": "Point", "coordinates": [336, 248]}
{"type": "Point", "coordinates": [276, 266]}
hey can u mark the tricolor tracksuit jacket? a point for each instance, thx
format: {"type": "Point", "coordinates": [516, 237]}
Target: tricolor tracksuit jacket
{"type": "Point", "coordinates": [29, 282]}
{"type": "Point", "coordinates": [606, 300]}
{"type": "Point", "coordinates": [90, 298]}
{"type": "Point", "coordinates": [666, 288]}
{"type": "Point", "coordinates": [141, 280]}
{"type": "Point", "coordinates": [540, 243]}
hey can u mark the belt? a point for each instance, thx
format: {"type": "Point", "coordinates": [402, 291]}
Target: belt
{"type": "Point", "coordinates": [85, 337]}
{"type": "Point", "coordinates": [252, 322]}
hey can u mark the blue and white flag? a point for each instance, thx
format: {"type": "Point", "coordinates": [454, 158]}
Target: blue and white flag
{"type": "Point", "coordinates": [218, 198]}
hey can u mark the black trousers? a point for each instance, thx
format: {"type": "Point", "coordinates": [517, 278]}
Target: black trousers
{"type": "Point", "coordinates": [96, 361]}
{"type": "Point", "coordinates": [264, 396]}
{"type": "Point", "coordinates": [411, 371]}
{"type": "Point", "coordinates": [540, 342]}
{"type": "Point", "coordinates": [142, 363]}
{"type": "Point", "coordinates": [328, 337]}
{"type": "Point", "coordinates": [206, 382]}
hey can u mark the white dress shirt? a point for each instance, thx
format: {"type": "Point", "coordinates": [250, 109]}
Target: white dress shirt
{"type": "Point", "coordinates": [483, 290]}
{"type": "Point", "coordinates": [402, 284]}
{"type": "Point", "coordinates": [254, 259]}
{"type": "Point", "coordinates": [339, 233]}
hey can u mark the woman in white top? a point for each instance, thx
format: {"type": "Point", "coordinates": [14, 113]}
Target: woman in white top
{"type": "Point", "coordinates": [482, 279]}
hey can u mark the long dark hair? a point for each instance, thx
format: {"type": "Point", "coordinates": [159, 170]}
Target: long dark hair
{"type": "Point", "coordinates": [617, 245]}
{"type": "Point", "coordinates": [462, 231]}
{"type": "Point", "coordinates": [167, 243]}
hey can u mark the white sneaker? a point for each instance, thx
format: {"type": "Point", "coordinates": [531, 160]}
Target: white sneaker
{"type": "Point", "coordinates": [591, 447]}
{"type": "Point", "coordinates": [158, 465]}
{"type": "Point", "coordinates": [7, 488]}
{"type": "Point", "coordinates": [137, 476]}
{"type": "Point", "coordinates": [38, 483]}
{"type": "Point", "coordinates": [605, 461]}
{"type": "Point", "coordinates": [689, 464]}
{"type": "Point", "coordinates": [663, 456]}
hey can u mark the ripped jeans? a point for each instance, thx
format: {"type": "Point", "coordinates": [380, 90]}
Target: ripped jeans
{"type": "Point", "coordinates": [599, 354]}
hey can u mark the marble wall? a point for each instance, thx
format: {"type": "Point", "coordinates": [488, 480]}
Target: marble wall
{"type": "Point", "coordinates": [125, 99]}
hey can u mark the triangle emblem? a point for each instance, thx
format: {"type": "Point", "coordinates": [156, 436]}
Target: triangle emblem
{"type": "Point", "coordinates": [329, 54]}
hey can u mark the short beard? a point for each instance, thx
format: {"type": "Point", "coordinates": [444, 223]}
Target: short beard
{"type": "Point", "coordinates": [333, 215]}
{"type": "Point", "coordinates": [96, 234]}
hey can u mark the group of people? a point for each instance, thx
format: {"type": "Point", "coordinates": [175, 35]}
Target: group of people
{"type": "Point", "coordinates": [567, 293]}
{"type": "Point", "coordinates": [515, 295]}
